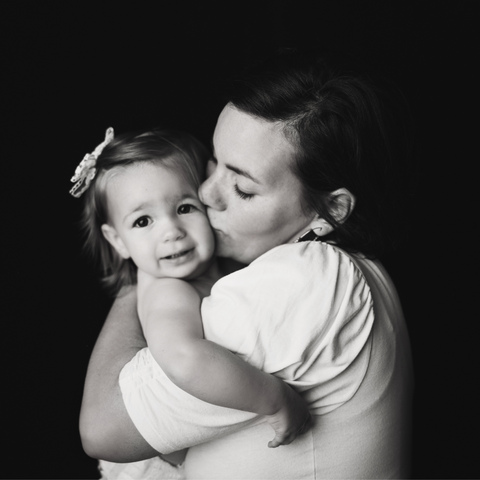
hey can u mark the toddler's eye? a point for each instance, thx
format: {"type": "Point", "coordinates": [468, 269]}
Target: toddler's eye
{"type": "Point", "coordinates": [186, 208]}
{"type": "Point", "coordinates": [142, 222]}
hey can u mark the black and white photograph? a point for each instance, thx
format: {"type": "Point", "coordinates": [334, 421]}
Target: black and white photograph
{"type": "Point", "coordinates": [239, 241]}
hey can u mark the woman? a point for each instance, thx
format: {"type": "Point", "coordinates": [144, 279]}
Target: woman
{"type": "Point", "coordinates": [303, 146]}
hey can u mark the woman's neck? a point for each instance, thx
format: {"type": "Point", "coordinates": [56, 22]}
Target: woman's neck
{"type": "Point", "coordinates": [204, 283]}
{"type": "Point", "coordinates": [228, 265]}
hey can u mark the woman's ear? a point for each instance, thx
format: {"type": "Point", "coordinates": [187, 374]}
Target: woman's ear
{"type": "Point", "coordinates": [115, 241]}
{"type": "Point", "coordinates": [341, 205]}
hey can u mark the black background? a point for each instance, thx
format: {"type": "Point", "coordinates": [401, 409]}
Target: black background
{"type": "Point", "coordinates": [71, 72]}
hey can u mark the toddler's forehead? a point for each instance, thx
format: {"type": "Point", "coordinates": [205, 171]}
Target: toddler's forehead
{"type": "Point", "coordinates": [177, 169]}
{"type": "Point", "coordinates": [144, 179]}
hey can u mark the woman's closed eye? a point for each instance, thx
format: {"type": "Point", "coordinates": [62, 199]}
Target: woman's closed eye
{"type": "Point", "coordinates": [241, 194]}
{"type": "Point", "coordinates": [142, 222]}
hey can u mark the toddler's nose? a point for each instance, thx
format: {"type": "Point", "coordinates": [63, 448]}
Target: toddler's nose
{"type": "Point", "coordinates": [173, 233]}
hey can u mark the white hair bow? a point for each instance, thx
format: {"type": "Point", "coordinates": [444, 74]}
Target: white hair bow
{"type": "Point", "coordinates": [85, 172]}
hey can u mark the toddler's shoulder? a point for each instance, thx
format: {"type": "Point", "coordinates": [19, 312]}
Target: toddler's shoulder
{"type": "Point", "coordinates": [169, 286]}
{"type": "Point", "coordinates": [165, 291]}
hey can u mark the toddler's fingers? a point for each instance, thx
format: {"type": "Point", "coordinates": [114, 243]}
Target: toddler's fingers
{"type": "Point", "coordinates": [306, 426]}
{"type": "Point", "coordinates": [287, 438]}
{"type": "Point", "coordinates": [280, 439]}
{"type": "Point", "coordinates": [273, 443]}
{"type": "Point", "coordinates": [277, 442]}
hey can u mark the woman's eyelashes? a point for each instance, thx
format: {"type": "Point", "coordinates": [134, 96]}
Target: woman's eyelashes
{"type": "Point", "coordinates": [242, 195]}
{"type": "Point", "coordinates": [212, 165]}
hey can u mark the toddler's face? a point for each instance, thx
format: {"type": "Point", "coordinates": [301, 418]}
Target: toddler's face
{"type": "Point", "coordinates": [157, 219]}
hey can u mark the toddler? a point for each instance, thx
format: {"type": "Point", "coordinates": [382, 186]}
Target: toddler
{"type": "Point", "coordinates": [145, 224]}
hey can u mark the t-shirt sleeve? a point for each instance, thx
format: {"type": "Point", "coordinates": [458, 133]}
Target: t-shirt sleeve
{"type": "Point", "coordinates": [168, 418]}
{"type": "Point", "coordinates": [303, 312]}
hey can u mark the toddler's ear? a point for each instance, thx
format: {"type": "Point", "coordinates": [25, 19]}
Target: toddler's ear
{"type": "Point", "coordinates": [115, 241]}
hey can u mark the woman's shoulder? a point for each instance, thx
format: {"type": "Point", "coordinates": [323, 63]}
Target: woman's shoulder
{"type": "Point", "coordinates": [301, 250]}
{"type": "Point", "coordinates": [300, 266]}
{"type": "Point", "coordinates": [305, 256]}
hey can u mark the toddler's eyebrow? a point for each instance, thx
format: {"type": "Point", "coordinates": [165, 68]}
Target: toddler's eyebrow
{"type": "Point", "coordinates": [136, 209]}
{"type": "Point", "coordinates": [171, 201]}
{"type": "Point", "coordinates": [140, 207]}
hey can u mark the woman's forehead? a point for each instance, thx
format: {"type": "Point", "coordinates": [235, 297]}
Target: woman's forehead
{"type": "Point", "coordinates": [246, 142]}
{"type": "Point", "coordinates": [237, 127]}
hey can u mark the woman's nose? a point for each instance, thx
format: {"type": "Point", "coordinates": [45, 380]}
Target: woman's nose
{"type": "Point", "coordinates": [210, 193]}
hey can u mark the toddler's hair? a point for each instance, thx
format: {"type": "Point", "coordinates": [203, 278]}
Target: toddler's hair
{"type": "Point", "coordinates": [172, 149]}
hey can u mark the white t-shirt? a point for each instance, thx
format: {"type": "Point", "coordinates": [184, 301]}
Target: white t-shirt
{"type": "Point", "coordinates": [314, 316]}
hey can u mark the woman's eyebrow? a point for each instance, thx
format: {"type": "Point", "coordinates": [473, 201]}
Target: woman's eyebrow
{"type": "Point", "coordinates": [244, 173]}
{"type": "Point", "coordinates": [237, 170]}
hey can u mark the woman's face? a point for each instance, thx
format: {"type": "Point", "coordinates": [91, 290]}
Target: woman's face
{"type": "Point", "coordinates": [253, 199]}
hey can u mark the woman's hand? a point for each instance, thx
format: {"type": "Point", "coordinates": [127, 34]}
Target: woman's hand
{"type": "Point", "coordinates": [291, 420]}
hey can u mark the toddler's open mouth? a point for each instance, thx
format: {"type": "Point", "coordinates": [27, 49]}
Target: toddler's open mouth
{"type": "Point", "coordinates": [178, 255]}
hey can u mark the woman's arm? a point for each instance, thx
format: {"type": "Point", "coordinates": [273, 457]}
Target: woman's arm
{"type": "Point", "coordinates": [174, 333]}
{"type": "Point", "coordinates": [105, 426]}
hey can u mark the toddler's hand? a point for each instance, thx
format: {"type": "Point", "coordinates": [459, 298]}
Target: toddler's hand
{"type": "Point", "coordinates": [291, 420]}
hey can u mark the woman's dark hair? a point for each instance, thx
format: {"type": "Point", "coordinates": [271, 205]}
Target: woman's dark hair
{"type": "Point", "coordinates": [171, 149]}
{"type": "Point", "coordinates": [348, 133]}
